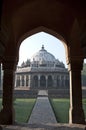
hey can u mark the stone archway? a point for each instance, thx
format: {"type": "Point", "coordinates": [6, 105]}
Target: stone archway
{"type": "Point", "coordinates": [50, 82]}
{"type": "Point", "coordinates": [43, 82]}
{"type": "Point", "coordinates": [35, 81]}
{"type": "Point", "coordinates": [77, 112]}
{"type": "Point", "coordinates": [72, 62]}
{"type": "Point", "coordinates": [23, 82]}
{"type": "Point", "coordinates": [58, 81]}
{"type": "Point", "coordinates": [18, 19]}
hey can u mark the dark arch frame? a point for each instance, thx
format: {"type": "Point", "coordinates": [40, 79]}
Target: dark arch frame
{"type": "Point", "coordinates": [45, 30]}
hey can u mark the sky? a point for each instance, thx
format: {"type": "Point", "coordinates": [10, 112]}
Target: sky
{"type": "Point", "coordinates": [34, 43]}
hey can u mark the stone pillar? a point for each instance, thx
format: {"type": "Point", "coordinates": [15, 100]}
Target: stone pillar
{"type": "Point", "coordinates": [76, 114]}
{"type": "Point", "coordinates": [16, 81]}
{"type": "Point", "coordinates": [60, 81]}
{"type": "Point", "coordinates": [30, 81]}
{"type": "Point", "coordinates": [20, 81]}
{"type": "Point", "coordinates": [7, 112]}
{"type": "Point", "coordinates": [24, 80]}
{"type": "Point", "coordinates": [0, 76]}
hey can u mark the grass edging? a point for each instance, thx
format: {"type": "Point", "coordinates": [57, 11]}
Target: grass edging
{"type": "Point", "coordinates": [23, 109]}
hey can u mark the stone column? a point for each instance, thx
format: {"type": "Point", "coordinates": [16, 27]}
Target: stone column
{"type": "Point", "coordinates": [20, 81]}
{"type": "Point", "coordinates": [76, 114]}
{"type": "Point", "coordinates": [60, 81]}
{"type": "Point", "coordinates": [30, 82]}
{"type": "Point", "coordinates": [24, 80]}
{"type": "Point", "coordinates": [0, 76]}
{"type": "Point", "coordinates": [15, 81]}
{"type": "Point", "coordinates": [7, 112]}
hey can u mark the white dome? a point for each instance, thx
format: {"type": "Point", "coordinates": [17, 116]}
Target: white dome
{"type": "Point", "coordinates": [43, 57]}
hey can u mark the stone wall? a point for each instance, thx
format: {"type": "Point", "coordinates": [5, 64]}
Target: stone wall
{"type": "Point", "coordinates": [60, 93]}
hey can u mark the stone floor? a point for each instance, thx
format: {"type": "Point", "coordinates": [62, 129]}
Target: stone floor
{"type": "Point", "coordinates": [44, 127]}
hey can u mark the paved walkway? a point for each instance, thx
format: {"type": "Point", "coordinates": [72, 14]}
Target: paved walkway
{"type": "Point", "coordinates": [43, 93]}
{"type": "Point", "coordinates": [42, 112]}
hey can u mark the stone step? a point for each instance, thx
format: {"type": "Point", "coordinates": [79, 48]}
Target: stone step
{"type": "Point", "coordinates": [45, 127]}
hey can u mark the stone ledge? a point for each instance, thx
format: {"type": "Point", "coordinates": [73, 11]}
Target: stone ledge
{"type": "Point", "coordinates": [44, 127]}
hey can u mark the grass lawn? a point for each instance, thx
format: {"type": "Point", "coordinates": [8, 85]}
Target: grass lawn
{"type": "Point", "coordinates": [61, 109]}
{"type": "Point", "coordinates": [23, 109]}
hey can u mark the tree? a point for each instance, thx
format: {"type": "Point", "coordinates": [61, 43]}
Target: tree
{"type": "Point", "coordinates": [23, 64]}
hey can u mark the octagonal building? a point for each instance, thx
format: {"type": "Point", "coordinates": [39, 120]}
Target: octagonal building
{"type": "Point", "coordinates": [42, 71]}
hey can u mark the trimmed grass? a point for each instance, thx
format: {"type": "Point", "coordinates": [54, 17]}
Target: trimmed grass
{"type": "Point", "coordinates": [61, 109]}
{"type": "Point", "coordinates": [23, 109]}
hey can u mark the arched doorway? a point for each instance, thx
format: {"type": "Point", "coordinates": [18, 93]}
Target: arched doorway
{"type": "Point", "coordinates": [58, 81]}
{"type": "Point", "coordinates": [42, 82]}
{"type": "Point", "coordinates": [18, 81]}
{"type": "Point", "coordinates": [27, 80]}
{"type": "Point", "coordinates": [23, 82]}
{"type": "Point", "coordinates": [50, 82]}
{"type": "Point", "coordinates": [35, 81]}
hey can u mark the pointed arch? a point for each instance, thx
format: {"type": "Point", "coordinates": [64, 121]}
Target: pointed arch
{"type": "Point", "coordinates": [45, 30]}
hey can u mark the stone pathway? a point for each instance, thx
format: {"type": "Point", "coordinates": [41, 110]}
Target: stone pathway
{"type": "Point", "coordinates": [43, 93]}
{"type": "Point", "coordinates": [42, 112]}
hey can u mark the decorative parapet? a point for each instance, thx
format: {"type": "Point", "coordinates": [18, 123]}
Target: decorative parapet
{"type": "Point", "coordinates": [40, 69]}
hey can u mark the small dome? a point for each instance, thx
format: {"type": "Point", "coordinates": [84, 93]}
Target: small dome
{"type": "Point", "coordinates": [43, 56]}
